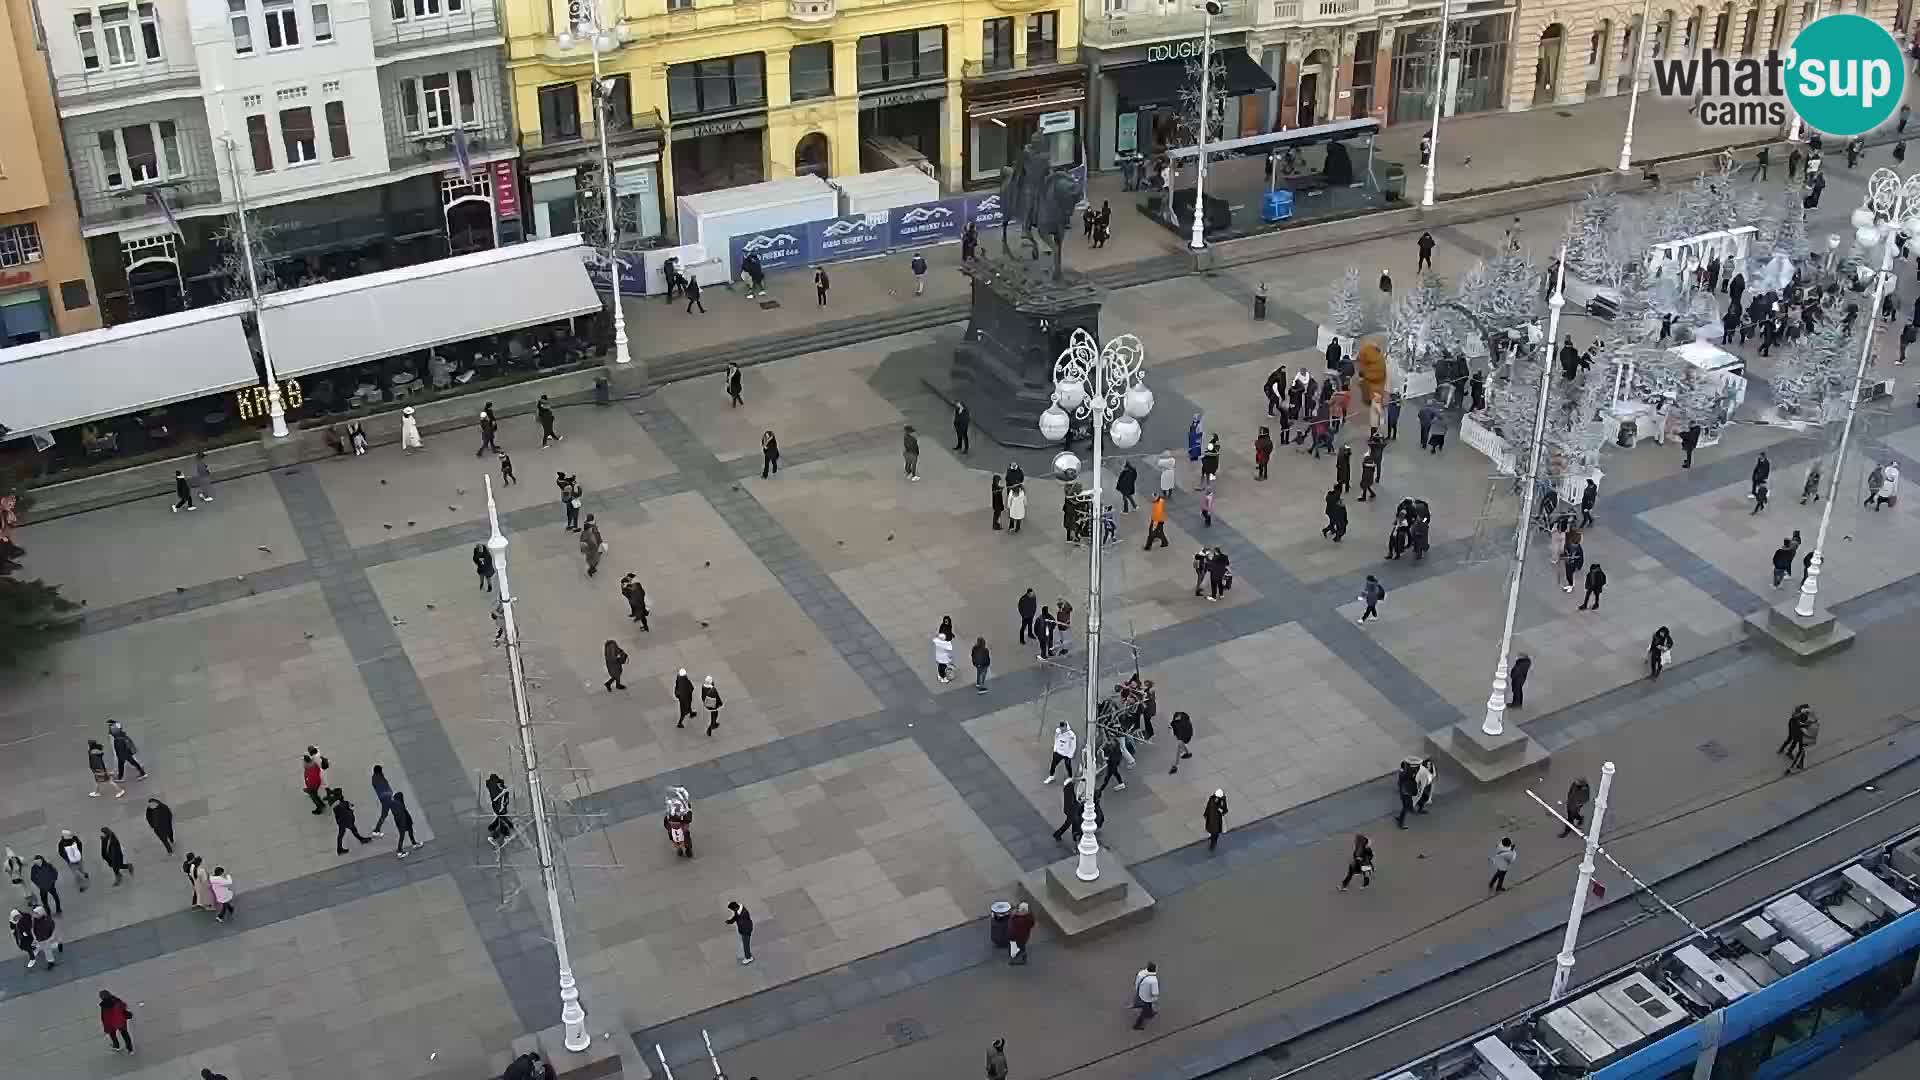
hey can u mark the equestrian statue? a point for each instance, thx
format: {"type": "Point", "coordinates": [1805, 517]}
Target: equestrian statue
{"type": "Point", "coordinates": [1040, 198]}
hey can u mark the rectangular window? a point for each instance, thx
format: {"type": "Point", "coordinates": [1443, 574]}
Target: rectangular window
{"type": "Point", "coordinates": [112, 176]}
{"type": "Point", "coordinates": [436, 94]}
{"type": "Point", "coordinates": [560, 112]}
{"type": "Point", "coordinates": [679, 5]}
{"type": "Point", "coordinates": [1043, 37]}
{"type": "Point", "coordinates": [424, 8]}
{"type": "Point", "coordinates": [170, 149]}
{"type": "Point", "coordinates": [337, 144]}
{"type": "Point", "coordinates": [143, 154]}
{"type": "Point", "coordinates": [296, 133]}
{"type": "Point", "coordinates": [242, 26]}
{"type": "Point", "coordinates": [89, 51]}
{"type": "Point", "coordinates": [463, 93]}
{"type": "Point", "coordinates": [996, 44]}
{"type": "Point", "coordinates": [399, 10]}
{"type": "Point", "coordinates": [619, 103]}
{"type": "Point", "coordinates": [116, 25]}
{"type": "Point", "coordinates": [730, 82]}
{"type": "Point", "coordinates": [283, 24]}
{"type": "Point", "coordinates": [74, 295]}
{"type": "Point", "coordinates": [410, 106]}
{"type": "Point", "coordinates": [811, 70]}
{"type": "Point", "coordinates": [322, 21]}
{"type": "Point", "coordinates": [260, 142]}
{"type": "Point", "coordinates": [1366, 49]}
{"type": "Point", "coordinates": [149, 32]}
{"type": "Point", "coordinates": [903, 56]}
{"type": "Point", "coordinates": [19, 244]}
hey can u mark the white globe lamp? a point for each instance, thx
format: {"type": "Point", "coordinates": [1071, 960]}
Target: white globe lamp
{"type": "Point", "coordinates": [1862, 217]}
{"type": "Point", "coordinates": [1054, 423]}
{"type": "Point", "coordinates": [1066, 465]}
{"type": "Point", "coordinates": [1070, 394]}
{"type": "Point", "coordinates": [1866, 236]}
{"type": "Point", "coordinates": [1138, 402]}
{"type": "Point", "coordinates": [1125, 432]}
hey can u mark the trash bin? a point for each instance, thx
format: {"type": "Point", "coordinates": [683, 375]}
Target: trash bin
{"type": "Point", "coordinates": [1394, 182]}
{"type": "Point", "coordinates": [602, 390]}
{"type": "Point", "coordinates": [997, 920]}
{"type": "Point", "coordinates": [1260, 302]}
{"type": "Point", "coordinates": [1277, 205]}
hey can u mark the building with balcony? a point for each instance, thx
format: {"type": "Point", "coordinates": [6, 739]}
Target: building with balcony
{"type": "Point", "coordinates": [361, 134]}
{"type": "Point", "coordinates": [45, 287]}
{"type": "Point", "coordinates": [705, 94]}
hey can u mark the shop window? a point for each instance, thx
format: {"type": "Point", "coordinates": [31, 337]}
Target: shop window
{"type": "Point", "coordinates": [296, 133]}
{"type": "Point", "coordinates": [810, 68]}
{"type": "Point", "coordinates": [338, 145]}
{"type": "Point", "coordinates": [728, 82]}
{"type": "Point", "coordinates": [241, 25]}
{"type": "Point", "coordinates": [19, 244]}
{"type": "Point", "coordinates": [904, 56]}
{"type": "Point", "coordinates": [260, 142]}
{"type": "Point", "coordinates": [559, 112]}
{"type": "Point", "coordinates": [1043, 37]}
{"type": "Point", "coordinates": [996, 44]}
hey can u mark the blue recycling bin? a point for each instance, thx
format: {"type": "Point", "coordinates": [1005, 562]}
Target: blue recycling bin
{"type": "Point", "coordinates": [1277, 206]}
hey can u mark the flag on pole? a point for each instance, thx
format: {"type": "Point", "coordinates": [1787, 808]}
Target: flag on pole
{"type": "Point", "coordinates": [460, 154]}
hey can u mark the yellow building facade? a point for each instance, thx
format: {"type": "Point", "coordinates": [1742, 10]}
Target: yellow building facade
{"type": "Point", "coordinates": [706, 95]}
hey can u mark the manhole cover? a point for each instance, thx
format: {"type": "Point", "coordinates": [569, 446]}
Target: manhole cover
{"type": "Point", "coordinates": [1713, 750]}
{"type": "Point", "coordinates": [906, 1031]}
{"type": "Point", "coordinates": [769, 305]}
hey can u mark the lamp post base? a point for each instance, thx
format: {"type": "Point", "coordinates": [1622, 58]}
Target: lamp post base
{"type": "Point", "coordinates": [1488, 757]}
{"type": "Point", "coordinates": [1801, 637]}
{"type": "Point", "coordinates": [606, 1058]}
{"type": "Point", "coordinates": [1083, 909]}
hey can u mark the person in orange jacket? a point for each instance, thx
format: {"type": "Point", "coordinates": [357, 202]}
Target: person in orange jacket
{"type": "Point", "coordinates": [1157, 521]}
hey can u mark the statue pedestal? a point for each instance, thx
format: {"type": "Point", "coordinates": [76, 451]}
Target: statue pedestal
{"type": "Point", "coordinates": [1022, 319]}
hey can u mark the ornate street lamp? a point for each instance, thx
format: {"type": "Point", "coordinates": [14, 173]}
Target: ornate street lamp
{"type": "Point", "coordinates": [602, 40]}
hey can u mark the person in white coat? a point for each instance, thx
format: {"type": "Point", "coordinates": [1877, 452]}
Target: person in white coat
{"type": "Point", "coordinates": [1889, 486]}
{"type": "Point", "coordinates": [1065, 742]}
{"type": "Point", "coordinates": [409, 431]}
{"type": "Point", "coordinates": [943, 656]}
{"type": "Point", "coordinates": [1166, 463]}
{"type": "Point", "coordinates": [1016, 507]}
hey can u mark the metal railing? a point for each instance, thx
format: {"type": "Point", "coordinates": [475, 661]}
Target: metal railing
{"type": "Point", "coordinates": [480, 21]}
{"type": "Point", "coordinates": [1030, 61]}
{"type": "Point", "coordinates": [1156, 24]}
{"type": "Point", "coordinates": [536, 139]}
{"type": "Point", "coordinates": [81, 86]}
{"type": "Point", "coordinates": [128, 204]}
{"type": "Point", "coordinates": [436, 146]}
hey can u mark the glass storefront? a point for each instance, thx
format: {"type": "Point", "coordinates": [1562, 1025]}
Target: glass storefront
{"type": "Point", "coordinates": [1476, 60]}
{"type": "Point", "coordinates": [995, 141]}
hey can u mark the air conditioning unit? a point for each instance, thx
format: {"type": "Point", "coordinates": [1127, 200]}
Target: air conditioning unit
{"type": "Point", "coordinates": [1645, 1005]}
{"type": "Point", "coordinates": [1805, 925]}
{"type": "Point", "coordinates": [1873, 894]}
{"type": "Point", "coordinates": [1501, 1063]}
{"type": "Point", "coordinates": [1703, 977]}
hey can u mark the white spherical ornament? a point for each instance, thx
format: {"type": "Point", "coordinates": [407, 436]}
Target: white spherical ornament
{"type": "Point", "coordinates": [1066, 465]}
{"type": "Point", "coordinates": [1053, 423]}
{"type": "Point", "coordinates": [1833, 241]}
{"type": "Point", "coordinates": [1861, 218]}
{"type": "Point", "coordinates": [1070, 394]}
{"type": "Point", "coordinates": [1867, 236]}
{"type": "Point", "coordinates": [1138, 402]}
{"type": "Point", "coordinates": [1125, 432]}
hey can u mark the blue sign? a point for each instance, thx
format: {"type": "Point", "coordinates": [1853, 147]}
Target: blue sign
{"type": "Point", "coordinates": [849, 237]}
{"type": "Point", "coordinates": [984, 211]}
{"type": "Point", "coordinates": [779, 249]}
{"type": "Point", "coordinates": [929, 222]}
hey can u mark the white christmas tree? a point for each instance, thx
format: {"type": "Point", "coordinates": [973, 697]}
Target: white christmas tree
{"type": "Point", "coordinates": [1570, 441]}
{"type": "Point", "coordinates": [1811, 381]}
{"type": "Point", "coordinates": [1594, 252]}
{"type": "Point", "coordinates": [1189, 111]}
{"type": "Point", "coordinates": [1347, 308]}
{"type": "Point", "coordinates": [1503, 292]}
{"type": "Point", "coordinates": [1784, 230]}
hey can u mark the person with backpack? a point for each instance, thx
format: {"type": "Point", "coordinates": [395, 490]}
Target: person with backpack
{"type": "Point", "coordinates": [1371, 594]}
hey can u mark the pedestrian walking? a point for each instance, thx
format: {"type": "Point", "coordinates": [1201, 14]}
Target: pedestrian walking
{"type": "Point", "coordinates": [489, 429]}
{"type": "Point", "coordinates": [543, 412]}
{"type": "Point", "coordinates": [999, 498]}
{"type": "Point", "coordinates": [1371, 594]}
{"type": "Point", "coordinates": [97, 764]}
{"type": "Point", "coordinates": [1660, 651]}
{"type": "Point", "coordinates": [74, 856]}
{"type": "Point", "coordinates": [21, 925]}
{"type": "Point", "coordinates": [1019, 932]}
{"type": "Point", "coordinates": [483, 566]}
{"type": "Point", "coordinates": [969, 242]}
{"type": "Point", "coordinates": [997, 1060]}
{"type": "Point", "coordinates": [1369, 475]}
{"type": "Point", "coordinates": [1759, 498]}
{"type": "Point", "coordinates": [683, 694]}
{"type": "Point", "coordinates": [1437, 436]}
{"type": "Point", "coordinates": [1219, 574]}
{"type": "Point", "coordinates": [592, 546]}
{"type": "Point", "coordinates": [1762, 468]}
{"type": "Point", "coordinates": [1336, 510]}
{"type": "Point", "coordinates": [123, 751]}
{"type": "Point", "coordinates": [220, 890]}
{"type": "Point", "coordinates": [693, 295]}
{"type": "Point", "coordinates": [1157, 521]}
{"type": "Point", "coordinates": [46, 881]}
{"type": "Point", "coordinates": [1889, 486]}
{"type": "Point", "coordinates": [1782, 562]}
{"type": "Point", "coordinates": [820, 284]}
{"type": "Point", "coordinates": [114, 1018]}
{"type": "Point", "coordinates": [1588, 498]}
{"type": "Point", "coordinates": [17, 874]}
{"type": "Point", "coordinates": [1181, 725]}
{"type": "Point", "coordinates": [710, 701]}
{"type": "Point", "coordinates": [1126, 484]}
{"type": "Point", "coordinates": [1596, 583]}
{"type": "Point", "coordinates": [1425, 243]}
{"type": "Point", "coordinates": [1576, 805]}
{"type": "Point", "coordinates": [734, 386]}
{"type": "Point", "coordinates": [410, 431]}
{"type": "Point", "coordinates": [46, 938]}
{"type": "Point", "coordinates": [982, 660]}
{"type": "Point", "coordinates": [403, 826]}
{"type": "Point", "coordinates": [203, 476]}
{"type": "Point", "coordinates": [1503, 858]}
{"type": "Point", "coordinates": [1689, 442]}
{"type": "Point", "coordinates": [572, 499]}
{"type": "Point", "coordinates": [1027, 607]}
{"type": "Point", "coordinates": [1428, 414]}
{"type": "Point", "coordinates": [1110, 760]}
{"type": "Point", "coordinates": [1016, 507]}
{"type": "Point", "coordinates": [182, 494]}
{"type": "Point", "coordinates": [742, 922]}
{"type": "Point", "coordinates": [1359, 863]}
{"type": "Point", "coordinates": [1043, 629]}
{"type": "Point", "coordinates": [1063, 625]}
{"type": "Point", "coordinates": [943, 655]}
{"type": "Point", "coordinates": [1343, 470]}
{"type": "Point", "coordinates": [1214, 817]}
{"type": "Point", "coordinates": [199, 895]}
{"type": "Point", "coordinates": [1065, 743]}
{"type": "Point", "coordinates": [160, 820]}
{"type": "Point", "coordinates": [1146, 994]}
{"type": "Point", "coordinates": [910, 453]}
{"type": "Point", "coordinates": [499, 800]}
{"type": "Point", "coordinates": [383, 793]}
{"type": "Point", "coordinates": [1517, 680]}
{"type": "Point", "coordinates": [310, 781]}
{"type": "Point", "coordinates": [616, 661]}
{"type": "Point", "coordinates": [1573, 557]}
{"type": "Point", "coordinates": [113, 855]}
{"type": "Point", "coordinates": [1803, 730]}
{"type": "Point", "coordinates": [343, 822]}
{"type": "Point", "coordinates": [1262, 453]}
{"type": "Point", "coordinates": [962, 427]}
{"type": "Point", "coordinates": [507, 479]}
{"type": "Point", "coordinates": [919, 268]}
{"type": "Point", "coordinates": [1407, 787]}
{"type": "Point", "coordinates": [1811, 489]}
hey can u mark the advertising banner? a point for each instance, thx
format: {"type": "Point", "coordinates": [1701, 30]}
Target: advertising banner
{"type": "Point", "coordinates": [506, 190]}
{"type": "Point", "coordinates": [849, 237]}
{"type": "Point", "coordinates": [784, 248]}
{"type": "Point", "coordinates": [984, 211]}
{"type": "Point", "coordinates": [937, 222]}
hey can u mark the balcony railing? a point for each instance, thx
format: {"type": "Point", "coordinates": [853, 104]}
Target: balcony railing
{"type": "Point", "coordinates": [617, 131]}
{"type": "Point", "coordinates": [1123, 28]}
{"type": "Point", "coordinates": [433, 147]}
{"type": "Point", "coordinates": [109, 207]}
{"type": "Point", "coordinates": [810, 11]}
{"type": "Point", "coordinates": [479, 22]}
{"type": "Point", "coordinates": [1031, 61]}
{"type": "Point", "coordinates": [93, 87]}
{"type": "Point", "coordinates": [1325, 12]}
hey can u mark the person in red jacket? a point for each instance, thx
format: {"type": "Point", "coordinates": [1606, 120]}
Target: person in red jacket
{"type": "Point", "coordinates": [114, 1016]}
{"type": "Point", "coordinates": [1019, 929]}
{"type": "Point", "coordinates": [310, 782]}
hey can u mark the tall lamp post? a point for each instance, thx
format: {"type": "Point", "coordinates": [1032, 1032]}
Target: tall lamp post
{"type": "Point", "coordinates": [1881, 219]}
{"type": "Point", "coordinates": [1563, 963]}
{"type": "Point", "coordinates": [1633, 99]}
{"type": "Point", "coordinates": [1091, 380]}
{"type": "Point", "coordinates": [603, 40]}
{"type": "Point", "coordinates": [276, 411]}
{"type": "Point", "coordinates": [572, 1016]}
{"type": "Point", "coordinates": [1198, 241]}
{"type": "Point", "coordinates": [1497, 698]}
{"type": "Point", "coordinates": [1439, 98]}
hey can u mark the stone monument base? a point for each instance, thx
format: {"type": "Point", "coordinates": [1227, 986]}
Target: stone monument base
{"type": "Point", "coordinates": [1021, 320]}
{"type": "Point", "coordinates": [1488, 757]}
{"type": "Point", "coordinates": [1080, 910]}
{"type": "Point", "coordinates": [1804, 639]}
{"type": "Point", "coordinates": [612, 1056]}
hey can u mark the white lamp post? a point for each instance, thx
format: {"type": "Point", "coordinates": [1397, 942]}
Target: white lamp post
{"type": "Point", "coordinates": [1439, 97]}
{"type": "Point", "coordinates": [1893, 198]}
{"type": "Point", "coordinates": [572, 1016]}
{"type": "Point", "coordinates": [1198, 241]}
{"type": "Point", "coordinates": [1497, 698]}
{"type": "Point", "coordinates": [1092, 380]}
{"type": "Point", "coordinates": [1563, 963]}
{"type": "Point", "coordinates": [1633, 99]}
{"type": "Point", "coordinates": [276, 411]}
{"type": "Point", "coordinates": [602, 40]}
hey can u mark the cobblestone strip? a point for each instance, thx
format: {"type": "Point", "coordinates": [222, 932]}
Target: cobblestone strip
{"type": "Point", "coordinates": [193, 598]}
{"type": "Point", "coordinates": [469, 533]}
